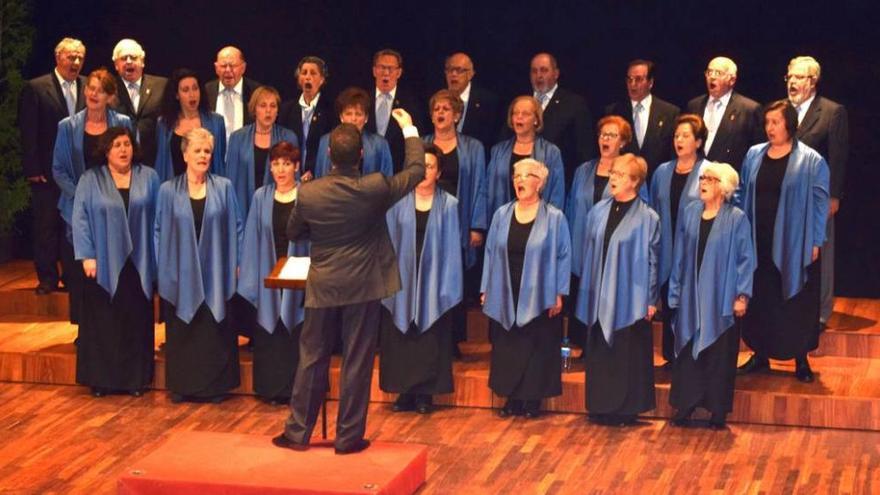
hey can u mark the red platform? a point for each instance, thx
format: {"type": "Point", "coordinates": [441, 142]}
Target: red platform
{"type": "Point", "coordinates": [225, 463]}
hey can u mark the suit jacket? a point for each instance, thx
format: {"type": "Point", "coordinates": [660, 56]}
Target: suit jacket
{"type": "Point", "coordinates": [343, 215]}
{"type": "Point", "coordinates": [40, 107]}
{"type": "Point", "coordinates": [825, 128]}
{"type": "Point", "coordinates": [568, 124]}
{"type": "Point", "coordinates": [212, 89]}
{"type": "Point", "coordinates": [657, 145]}
{"type": "Point", "coordinates": [741, 127]}
{"type": "Point", "coordinates": [149, 109]}
{"type": "Point", "coordinates": [484, 116]}
{"type": "Point", "coordinates": [323, 121]}
{"type": "Point", "coordinates": [402, 99]}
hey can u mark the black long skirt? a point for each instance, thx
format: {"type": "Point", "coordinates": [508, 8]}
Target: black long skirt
{"type": "Point", "coordinates": [526, 363]}
{"type": "Point", "coordinates": [115, 349]}
{"type": "Point", "coordinates": [416, 362]}
{"type": "Point", "coordinates": [780, 329]}
{"type": "Point", "coordinates": [620, 377]}
{"type": "Point", "coordinates": [577, 330]}
{"type": "Point", "coordinates": [708, 381]}
{"type": "Point", "coordinates": [276, 356]}
{"type": "Point", "coordinates": [201, 357]}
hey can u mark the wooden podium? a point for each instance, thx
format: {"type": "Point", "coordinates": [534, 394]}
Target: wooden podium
{"type": "Point", "coordinates": [274, 280]}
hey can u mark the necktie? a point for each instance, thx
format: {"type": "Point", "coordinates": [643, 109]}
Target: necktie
{"type": "Point", "coordinates": [542, 99]}
{"type": "Point", "coordinates": [712, 122]}
{"type": "Point", "coordinates": [460, 125]}
{"type": "Point", "coordinates": [229, 109]}
{"type": "Point", "coordinates": [638, 123]}
{"type": "Point", "coordinates": [134, 95]}
{"type": "Point", "coordinates": [801, 111]}
{"type": "Point", "coordinates": [307, 112]}
{"type": "Point", "coordinates": [69, 97]}
{"type": "Point", "coordinates": [383, 113]}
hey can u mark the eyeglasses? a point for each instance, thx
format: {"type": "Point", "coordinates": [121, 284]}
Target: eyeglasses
{"type": "Point", "coordinates": [636, 79]}
{"type": "Point", "coordinates": [796, 77]}
{"type": "Point", "coordinates": [227, 66]}
{"type": "Point", "coordinates": [709, 178]}
{"type": "Point", "coordinates": [715, 73]}
{"type": "Point", "coordinates": [617, 173]}
{"type": "Point", "coordinates": [129, 58]}
{"type": "Point", "coordinates": [457, 70]}
{"type": "Point", "coordinates": [608, 135]}
{"type": "Point", "coordinates": [386, 68]}
{"type": "Point", "coordinates": [525, 176]}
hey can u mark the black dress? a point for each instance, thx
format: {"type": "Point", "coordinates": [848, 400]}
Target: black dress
{"type": "Point", "coordinates": [620, 377]}
{"type": "Point", "coordinates": [115, 348]}
{"type": "Point", "coordinates": [676, 187]}
{"type": "Point", "coordinates": [201, 356]}
{"type": "Point", "coordinates": [260, 156]}
{"type": "Point", "coordinates": [93, 158]}
{"type": "Point", "coordinates": [177, 162]}
{"type": "Point", "coordinates": [416, 362]}
{"type": "Point", "coordinates": [708, 381]}
{"type": "Point", "coordinates": [448, 180]}
{"type": "Point", "coordinates": [774, 327]}
{"type": "Point", "coordinates": [276, 354]}
{"type": "Point", "coordinates": [525, 363]}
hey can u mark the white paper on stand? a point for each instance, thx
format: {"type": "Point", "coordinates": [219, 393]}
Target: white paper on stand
{"type": "Point", "coordinates": [295, 268]}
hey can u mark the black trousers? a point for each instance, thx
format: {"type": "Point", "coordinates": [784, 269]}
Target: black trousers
{"type": "Point", "coordinates": [48, 232]}
{"type": "Point", "coordinates": [359, 329]}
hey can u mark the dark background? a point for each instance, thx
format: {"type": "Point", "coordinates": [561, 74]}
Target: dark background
{"type": "Point", "coordinates": [593, 42]}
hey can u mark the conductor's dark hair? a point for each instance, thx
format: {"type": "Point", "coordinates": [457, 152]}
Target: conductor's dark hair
{"type": "Point", "coordinates": [788, 113]}
{"type": "Point", "coordinates": [345, 146]}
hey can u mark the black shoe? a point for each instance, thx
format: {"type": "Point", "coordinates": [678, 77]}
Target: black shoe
{"type": "Point", "coordinates": [424, 404]}
{"type": "Point", "coordinates": [803, 372]}
{"type": "Point", "coordinates": [177, 398]}
{"type": "Point", "coordinates": [626, 419]}
{"type": "Point", "coordinates": [404, 402]}
{"type": "Point", "coordinates": [286, 443]}
{"type": "Point", "coordinates": [136, 393]}
{"type": "Point", "coordinates": [532, 409]}
{"type": "Point", "coordinates": [98, 392]}
{"type": "Point", "coordinates": [44, 289]}
{"type": "Point", "coordinates": [755, 364]}
{"type": "Point", "coordinates": [598, 419]}
{"type": "Point", "coordinates": [358, 446]}
{"type": "Point", "coordinates": [511, 408]}
{"type": "Point", "coordinates": [717, 422]}
{"type": "Point", "coordinates": [682, 417]}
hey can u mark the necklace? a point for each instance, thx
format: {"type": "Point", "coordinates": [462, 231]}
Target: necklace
{"type": "Point", "coordinates": [257, 131]}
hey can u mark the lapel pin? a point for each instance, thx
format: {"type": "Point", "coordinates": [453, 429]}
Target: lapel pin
{"type": "Point", "coordinates": [732, 117]}
{"type": "Point", "coordinates": [660, 124]}
{"type": "Point", "coordinates": [477, 105]}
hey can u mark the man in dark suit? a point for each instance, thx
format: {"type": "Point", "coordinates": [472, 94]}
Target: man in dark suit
{"type": "Point", "coordinates": [139, 95]}
{"type": "Point", "coordinates": [482, 117]}
{"type": "Point", "coordinates": [652, 119]}
{"type": "Point", "coordinates": [823, 126]}
{"type": "Point", "coordinates": [45, 101]}
{"type": "Point", "coordinates": [568, 122]}
{"type": "Point", "coordinates": [387, 69]}
{"type": "Point", "coordinates": [735, 122]}
{"type": "Point", "coordinates": [353, 267]}
{"type": "Point", "coordinates": [231, 99]}
{"type": "Point", "coordinates": [311, 115]}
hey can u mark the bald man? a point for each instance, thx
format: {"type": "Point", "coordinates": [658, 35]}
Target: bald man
{"type": "Point", "coordinates": [228, 95]}
{"type": "Point", "coordinates": [482, 117]}
{"type": "Point", "coordinates": [734, 121]}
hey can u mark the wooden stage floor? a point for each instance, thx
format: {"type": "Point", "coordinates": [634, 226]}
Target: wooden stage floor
{"type": "Point", "coordinates": [36, 347]}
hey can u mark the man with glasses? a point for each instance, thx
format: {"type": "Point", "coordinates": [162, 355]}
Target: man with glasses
{"type": "Point", "coordinates": [480, 118]}
{"type": "Point", "coordinates": [231, 99]}
{"type": "Point", "coordinates": [44, 101]}
{"type": "Point", "coordinates": [823, 126]}
{"type": "Point", "coordinates": [652, 119]}
{"type": "Point", "coordinates": [567, 120]}
{"type": "Point", "coordinates": [387, 69]}
{"type": "Point", "coordinates": [140, 95]}
{"type": "Point", "coordinates": [734, 121]}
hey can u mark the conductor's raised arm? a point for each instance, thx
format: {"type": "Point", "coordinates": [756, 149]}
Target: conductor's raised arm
{"type": "Point", "coordinates": [414, 165]}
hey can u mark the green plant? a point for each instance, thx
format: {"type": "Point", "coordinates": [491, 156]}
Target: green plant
{"type": "Point", "coordinates": [16, 35]}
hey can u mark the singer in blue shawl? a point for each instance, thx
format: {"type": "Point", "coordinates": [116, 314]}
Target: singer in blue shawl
{"type": "Point", "coordinates": [590, 185]}
{"type": "Point", "coordinates": [618, 297]}
{"type": "Point", "coordinates": [113, 214]}
{"type": "Point", "coordinates": [674, 185]}
{"type": "Point", "coordinates": [198, 233]}
{"type": "Point", "coordinates": [352, 106]}
{"type": "Point", "coordinates": [526, 272]}
{"type": "Point", "coordinates": [76, 150]}
{"type": "Point", "coordinates": [278, 313]}
{"type": "Point", "coordinates": [184, 109]}
{"type": "Point", "coordinates": [463, 162]}
{"type": "Point", "coordinates": [784, 192]}
{"type": "Point", "coordinates": [710, 284]}
{"type": "Point", "coordinates": [416, 338]}
{"type": "Point", "coordinates": [525, 117]}
{"type": "Point", "coordinates": [247, 158]}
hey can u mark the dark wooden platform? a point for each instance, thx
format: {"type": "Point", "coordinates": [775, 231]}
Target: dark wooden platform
{"type": "Point", "coordinates": [36, 347]}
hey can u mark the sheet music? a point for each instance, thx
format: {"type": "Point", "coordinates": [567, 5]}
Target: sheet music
{"type": "Point", "coordinates": [296, 268]}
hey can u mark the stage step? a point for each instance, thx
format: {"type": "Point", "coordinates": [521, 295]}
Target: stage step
{"type": "Point", "coordinates": [846, 393]}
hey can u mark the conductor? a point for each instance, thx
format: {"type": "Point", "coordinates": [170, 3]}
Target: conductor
{"type": "Point", "coordinates": [353, 267]}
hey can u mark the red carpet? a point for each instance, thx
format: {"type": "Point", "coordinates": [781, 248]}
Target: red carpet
{"type": "Point", "coordinates": [227, 463]}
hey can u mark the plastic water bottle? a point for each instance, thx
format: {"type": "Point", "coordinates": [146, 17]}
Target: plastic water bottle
{"type": "Point", "coordinates": [566, 355]}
